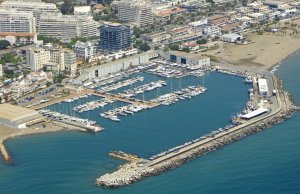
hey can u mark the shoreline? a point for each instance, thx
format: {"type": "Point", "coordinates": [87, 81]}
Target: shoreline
{"type": "Point", "coordinates": [6, 156]}
{"type": "Point", "coordinates": [270, 68]}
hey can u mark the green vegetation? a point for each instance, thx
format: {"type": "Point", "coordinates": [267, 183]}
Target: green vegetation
{"type": "Point", "coordinates": [141, 45]}
{"type": "Point", "coordinates": [201, 41]}
{"type": "Point", "coordinates": [137, 32]}
{"type": "Point", "coordinates": [108, 15]}
{"type": "Point", "coordinates": [74, 40]}
{"type": "Point", "coordinates": [174, 47]}
{"type": "Point", "coordinates": [4, 44]}
{"type": "Point", "coordinates": [48, 39]}
{"type": "Point", "coordinates": [67, 7]}
{"type": "Point", "coordinates": [58, 78]}
{"type": "Point", "coordinates": [187, 50]}
{"type": "Point", "coordinates": [213, 58]}
{"type": "Point", "coordinates": [10, 58]}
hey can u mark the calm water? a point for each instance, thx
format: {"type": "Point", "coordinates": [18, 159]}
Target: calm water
{"type": "Point", "coordinates": [69, 162]}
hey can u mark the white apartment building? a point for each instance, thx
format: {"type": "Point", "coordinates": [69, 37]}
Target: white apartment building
{"type": "Point", "coordinates": [55, 59]}
{"type": "Point", "coordinates": [84, 50]}
{"type": "Point", "coordinates": [37, 7]}
{"type": "Point", "coordinates": [66, 27]}
{"type": "Point", "coordinates": [15, 21]}
{"type": "Point", "coordinates": [138, 12]}
{"type": "Point", "coordinates": [36, 58]}
{"type": "Point", "coordinates": [88, 27]}
{"type": "Point", "coordinates": [1, 71]}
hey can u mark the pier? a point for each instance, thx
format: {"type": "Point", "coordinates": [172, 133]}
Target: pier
{"type": "Point", "coordinates": [5, 153]}
{"type": "Point", "coordinates": [115, 97]}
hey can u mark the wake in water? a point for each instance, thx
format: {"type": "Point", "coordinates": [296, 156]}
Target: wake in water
{"type": "Point", "coordinates": [275, 69]}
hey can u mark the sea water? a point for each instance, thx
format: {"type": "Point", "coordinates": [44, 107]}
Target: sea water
{"type": "Point", "coordinates": [69, 162]}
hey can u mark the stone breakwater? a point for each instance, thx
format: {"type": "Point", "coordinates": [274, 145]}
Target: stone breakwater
{"type": "Point", "coordinates": [135, 171]}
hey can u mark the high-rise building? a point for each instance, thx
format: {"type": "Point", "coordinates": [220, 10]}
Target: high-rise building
{"type": "Point", "coordinates": [66, 27]}
{"type": "Point", "coordinates": [114, 37]}
{"type": "Point", "coordinates": [15, 21]}
{"type": "Point", "coordinates": [36, 7]}
{"type": "Point", "coordinates": [138, 12]}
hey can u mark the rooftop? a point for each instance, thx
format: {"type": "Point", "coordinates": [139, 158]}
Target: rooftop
{"type": "Point", "coordinates": [18, 34]}
{"type": "Point", "coordinates": [188, 55]}
{"type": "Point", "coordinates": [14, 113]}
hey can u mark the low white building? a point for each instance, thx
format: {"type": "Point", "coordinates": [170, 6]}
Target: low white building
{"type": "Point", "coordinates": [192, 46]}
{"type": "Point", "coordinates": [212, 31]}
{"type": "Point", "coordinates": [195, 60]}
{"type": "Point", "coordinates": [197, 25]}
{"type": "Point", "coordinates": [121, 54]}
{"type": "Point", "coordinates": [262, 86]}
{"type": "Point", "coordinates": [16, 116]}
{"type": "Point", "coordinates": [82, 10]}
{"type": "Point", "coordinates": [231, 37]}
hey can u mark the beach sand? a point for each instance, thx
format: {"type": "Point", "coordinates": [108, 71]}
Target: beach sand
{"type": "Point", "coordinates": [266, 51]}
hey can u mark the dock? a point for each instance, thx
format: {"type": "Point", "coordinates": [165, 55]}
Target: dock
{"type": "Point", "coordinates": [111, 96]}
{"type": "Point", "coordinates": [116, 97]}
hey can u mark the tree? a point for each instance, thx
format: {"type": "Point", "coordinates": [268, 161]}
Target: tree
{"type": "Point", "coordinates": [143, 46]}
{"type": "Point", "coordinates": [4, 44]}
{"type": "Point", "coordinates": [67, 7]}
{"type": "Point", "coordinates": [201, 41]}
{"type": "Point", "coordinates": [187, 50]}
{"type": "Point", "coordinates": [174, 47]}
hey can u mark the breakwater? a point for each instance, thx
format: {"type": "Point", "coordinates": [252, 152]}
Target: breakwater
{"type": "Point", "coordinates": [135, 171]}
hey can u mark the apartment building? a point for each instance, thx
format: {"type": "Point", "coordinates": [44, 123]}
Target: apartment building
{"type": "Point", "coordinates": [54, 59]}
{"type": "Point", "coordinates": [84, 50]}
{"type": "Point", "coordinates": [138, 12]}
{"type": "Point", "coordinates": [66, 27]}
{"type": "Point", "coordinates": [37, 7]}
{"type": "Point", "coordinates": [36, 58]}
{"type": "Point", "coordinates": [16, 21]}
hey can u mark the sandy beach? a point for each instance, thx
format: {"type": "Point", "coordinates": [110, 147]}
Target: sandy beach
{"type": "Point", "coordinates": [265, 52]}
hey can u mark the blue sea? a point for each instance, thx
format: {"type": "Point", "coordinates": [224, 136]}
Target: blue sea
{"type": "Point", "coordinates": [69, 162]}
